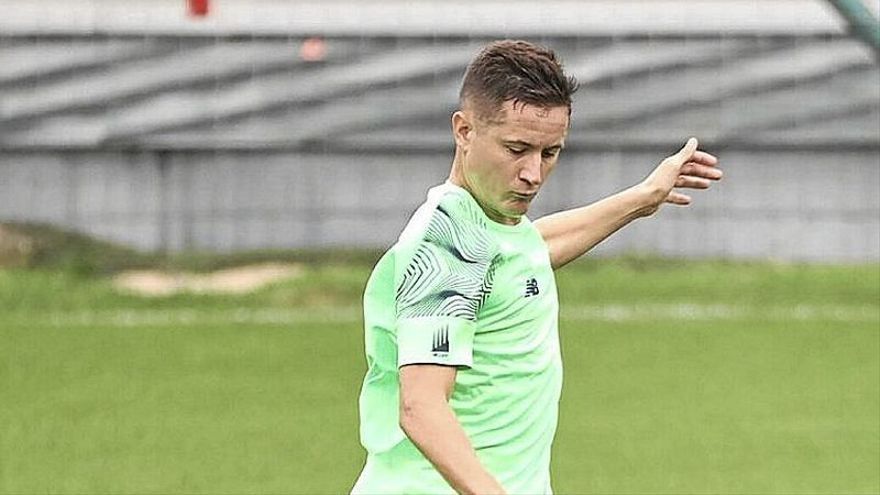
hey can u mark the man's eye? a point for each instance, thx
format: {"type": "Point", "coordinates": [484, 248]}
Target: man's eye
{"type": "Point", "coordinates": [551, 154]}
{"type": "Point", "coordinates": [516, 151]}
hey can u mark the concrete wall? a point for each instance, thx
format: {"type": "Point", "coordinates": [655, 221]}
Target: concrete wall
{"type": "Point", "coordinates": [817, 205]}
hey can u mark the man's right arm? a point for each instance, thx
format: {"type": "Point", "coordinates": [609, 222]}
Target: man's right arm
{"type": "Point", "coordinates": [571, 233]}
{"type": "Point", "coordinates": [428, 420]}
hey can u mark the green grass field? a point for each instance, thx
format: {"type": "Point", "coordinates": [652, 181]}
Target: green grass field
{"type": "Point", "coordinates": [680, 377]}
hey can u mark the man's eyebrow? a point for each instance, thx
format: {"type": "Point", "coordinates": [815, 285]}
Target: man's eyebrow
{"type": "Point", "coordinates": [526, 144]}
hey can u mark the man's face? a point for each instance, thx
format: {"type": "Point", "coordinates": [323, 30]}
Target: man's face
{"type": "Point", "coordinates": [505, 162]}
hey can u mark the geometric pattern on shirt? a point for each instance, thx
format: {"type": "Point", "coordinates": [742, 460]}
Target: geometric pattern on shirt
{"type": "Point", "coordinates": [451, 272]}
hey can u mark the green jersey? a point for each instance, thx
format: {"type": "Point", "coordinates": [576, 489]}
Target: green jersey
{"type": "Point", "coordinates": [459, 289]}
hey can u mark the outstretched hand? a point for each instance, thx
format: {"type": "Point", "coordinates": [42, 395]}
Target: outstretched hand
{"type": "Point", "coordinates": [689, 168]}
{"type": "Point", "coordinates": [571, 233]}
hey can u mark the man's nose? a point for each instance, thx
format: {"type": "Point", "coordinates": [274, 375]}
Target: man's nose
{"type": "Point", "coordinates": [531, 170]}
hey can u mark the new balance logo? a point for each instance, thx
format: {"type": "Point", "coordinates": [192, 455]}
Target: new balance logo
{"type": "Point", "coordinates": [532, 287]}
{"type": "Point", "coordinates": [441, 340]}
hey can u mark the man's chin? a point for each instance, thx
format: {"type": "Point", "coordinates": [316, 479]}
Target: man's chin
{"type": "Point", "coordinates": [518, 206]}
{"type": "Point", "coordinates": [508, 212]}
{"type": "Point", "coordinates": [516, 209]}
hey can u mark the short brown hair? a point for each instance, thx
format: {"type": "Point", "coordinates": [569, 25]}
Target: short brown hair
{"type": "Point", "coordinates": [518, 71]}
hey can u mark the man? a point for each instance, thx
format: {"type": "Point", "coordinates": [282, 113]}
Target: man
{"type": "Point", "coordinates": [464, 377]}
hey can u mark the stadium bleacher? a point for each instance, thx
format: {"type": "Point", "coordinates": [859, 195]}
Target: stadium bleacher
{"type": "Point", "coordinates": [286, 85]}
{"type": "Point", "coordinates": [91, 93]}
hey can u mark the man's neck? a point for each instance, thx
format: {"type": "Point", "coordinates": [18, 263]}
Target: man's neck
{"type": "Point", "coordinates": [456, 177]}
{"type": "Point", "coordinates": [456, 174]}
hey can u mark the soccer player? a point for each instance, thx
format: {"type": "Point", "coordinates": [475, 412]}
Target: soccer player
{"type": "Point", "coordinates": [464, 371]}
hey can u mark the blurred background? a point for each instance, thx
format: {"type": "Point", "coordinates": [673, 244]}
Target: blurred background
{"type": "Point", "coordinates": [231, 124]}
{"type": "Point", "coordinates": [193, 193]}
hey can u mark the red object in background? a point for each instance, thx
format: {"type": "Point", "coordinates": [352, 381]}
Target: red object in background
{"type": "Point", "coordinates": [198, 8]}
{"type": "Point", "coordinates": [313, 49]}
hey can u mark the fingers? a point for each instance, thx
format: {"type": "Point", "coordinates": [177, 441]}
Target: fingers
{"type": "Point", "coordinates": [690, 153]}
{"type": "Point", "coordinates": [704, 158]}
{"type": "Point", "coordinates": [692, 169]}
{"type": "Point", "coordinates": [698, 170]}
{"type": "Point", "coordinates": [678, 198]}
{"type": "Point", "coordinates": [686, 153]}
{"type": "Point", "coordinates": [692, 182]}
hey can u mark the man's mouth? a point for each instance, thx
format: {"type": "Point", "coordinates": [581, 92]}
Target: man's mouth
{"type": "Point", "coordinates": [525, 196]}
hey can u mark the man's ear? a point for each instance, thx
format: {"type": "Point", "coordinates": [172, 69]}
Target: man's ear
{"type": "Point", "coordinates": [462, 129]}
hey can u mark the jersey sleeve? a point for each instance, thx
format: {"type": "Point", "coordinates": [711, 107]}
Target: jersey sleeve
{"type": "Point", "coordinates": [441, 287]}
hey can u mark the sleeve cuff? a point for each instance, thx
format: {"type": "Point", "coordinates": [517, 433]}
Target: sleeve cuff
{"type": "Point", "coordinates": [435, 340]}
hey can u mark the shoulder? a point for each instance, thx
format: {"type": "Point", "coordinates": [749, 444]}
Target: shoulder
{"type": "Point", "coordinates": [444, 258]}
{"type": "Point", "coordinates": [460, 205]}
{"type": "Point", "coordinates": [450, 220]}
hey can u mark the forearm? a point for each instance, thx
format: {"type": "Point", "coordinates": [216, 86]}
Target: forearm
{"type": "Point", "coordinates": [433, 428]}
{"type": "Point", "coordinates": [571, 233]}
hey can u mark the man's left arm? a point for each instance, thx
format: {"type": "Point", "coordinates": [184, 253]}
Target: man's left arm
{"type": "Point", "coordinates": [571, 233]}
